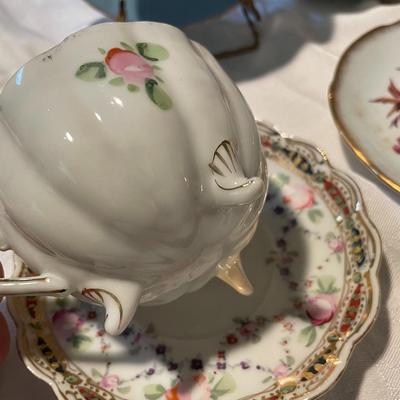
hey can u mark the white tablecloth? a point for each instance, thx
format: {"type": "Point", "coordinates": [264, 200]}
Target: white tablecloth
{"type": "Point", "coordinates": [285, 82]}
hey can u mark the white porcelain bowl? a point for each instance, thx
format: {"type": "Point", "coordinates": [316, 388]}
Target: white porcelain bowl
{"type": "Point", "coordinates": [130, 168]}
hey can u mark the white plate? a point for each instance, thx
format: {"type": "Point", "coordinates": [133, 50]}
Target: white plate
{"type": "Point", "coordinates": [365, 101]}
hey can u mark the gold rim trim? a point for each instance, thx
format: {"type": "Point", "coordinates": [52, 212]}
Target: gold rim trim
{"type": "Point", "coordinates": [370, 314]}
{"type": "Point", "coordinates": [344, 132]}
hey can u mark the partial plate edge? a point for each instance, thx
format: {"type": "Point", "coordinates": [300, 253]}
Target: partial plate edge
{"type": "Point", "coordinates": [351, 344]}
{"type": "Point", "coordinates": [346, 135]}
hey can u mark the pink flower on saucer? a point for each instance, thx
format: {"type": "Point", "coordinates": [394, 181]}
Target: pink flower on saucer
{"type": "Point", "coordinates": [321, 308]}
{"type": "Point", "coordinates": [132, 67]}
{"type": "Point", "coordinates": [109, 382]}
{"type": "Point", "coordinates": [280, 370]}
{"type": "Point", "coordinates": [297, 196]}
{"type": "Point", "coordinates": [66, 323]}
{"type": "Point", "coordinates": [336, 245]}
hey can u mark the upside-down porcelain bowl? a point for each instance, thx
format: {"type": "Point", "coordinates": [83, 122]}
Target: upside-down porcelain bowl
{"type": "Point", "coordinates": [130, 169]}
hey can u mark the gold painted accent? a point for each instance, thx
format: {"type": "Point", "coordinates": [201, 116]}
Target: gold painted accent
{"type": "Point", "coordinates": [346, 135]}
{"type": "Point", "coordinates": [228, 148]}
{"type": "Point", "coordinates": [31, 291]}
{"type": "Point", "coordinates": [232, 273]}
{"type": "Point", "coordinates": [89, 294]}
{"type": "Point", "coordinates": [215, 169]}
{"type": "Point", "coordinates": [247, 183]}
{"type": "Point", "coordinates": [333, 359]}
{"type": "Point", "coordinates": [223, 161]}
{"type": "Point", "coordinates": [234, 166]}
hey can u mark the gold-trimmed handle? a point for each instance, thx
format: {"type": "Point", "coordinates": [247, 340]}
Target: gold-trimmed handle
{"type": "Point", "coordinates": [231, 187]}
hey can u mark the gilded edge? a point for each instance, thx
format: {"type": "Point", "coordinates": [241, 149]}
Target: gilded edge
{"type": "Point", "coordinates": [344, 132]}
{"type": "Point", "coordinates": [95, 295]}
{"type": "Point", "coordinates": [371, 312]}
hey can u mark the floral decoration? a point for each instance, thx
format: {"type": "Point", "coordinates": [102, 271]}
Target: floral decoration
{"type": "Point", "coordinates": [393, 99]}
{"type": "Point", "coordinates": [133, 66]}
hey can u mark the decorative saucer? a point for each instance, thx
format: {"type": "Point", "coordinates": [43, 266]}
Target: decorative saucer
{"type": "Point", "coordinates": [313, 262]}
{"type": "Point", "coordinates": [365, 101]}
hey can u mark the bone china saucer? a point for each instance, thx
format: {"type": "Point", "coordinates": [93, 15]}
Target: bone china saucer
{"type": "Point", "coordinates": [365, 101]}
{"type": "Point", "coordinates": [313, 261]}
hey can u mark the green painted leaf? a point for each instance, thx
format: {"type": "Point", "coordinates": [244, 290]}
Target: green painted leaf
{"type": "Point", "coordinates": [101, 51]}
{"type": "Point", "coordinates": [153, 392]}
{"type": "Point", "coordinates": [289, 361]}
{"type": "Point", "coordinates": [308, 335]}
{"type": "Point", "coordinates": [132, 88]}
{"type": "Point", "coordinates": [357, 277]}
{"type": "Point", "coordinates": [330, 236]}
{"type": "Point", "coordinates": [96, 373]}
{"type": "Point", "coordinates": [91, 71]}
{"type": "Point", "coordinates": [116, 81]}
{"type": "Point", "coordinates": [225, 385]}
{"type": "Point", "coordinates": [157, 67]}
{"type": "Point", "coordinates": [283, 178]}
{"type": "Point", "coordinates": [315, 215]}
{"type": "Point", "coordinates": [157, 95]}
{"type": "Point", "coordinates": [159, 79]}
{"type": "Point", "coordinates": [62, 301]}
{"type": "Point", "coordinates": [152, 51]}
{"type": "Point", "coordinates": [73, 379]}
{"type": "Point", "coordinates": [267, 379]}
{"type": "Point", "coordinates": [326, 284]}
{"type": "Point", "coordinates": [81, 342]}
{"type": "Point", "coordinates": [127, 46]}
{"type": "Point", "coordinates": [124, 390]}
{"type": "Point", "coordinates": [288, 388]}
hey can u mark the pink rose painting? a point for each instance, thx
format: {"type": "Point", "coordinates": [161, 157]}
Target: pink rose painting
{"type": "Point", "coordinates": [336, 245]}
{"type": "Point", "coordinates": [321, 308]}
{"type": "Point", "coordinates": [66, 323]}
{"type": "Point", "coordinates": [299, 197]}
{"type": "Point", "coordinates": [281, 370]}
{"type": "Point", "coordinates": [130, 66]}
{"type": "Point", "coordinates": [109, 382]}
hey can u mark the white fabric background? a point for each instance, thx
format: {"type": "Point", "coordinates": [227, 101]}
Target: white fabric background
{"type": "Point", "coordinates": [285, 82]}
